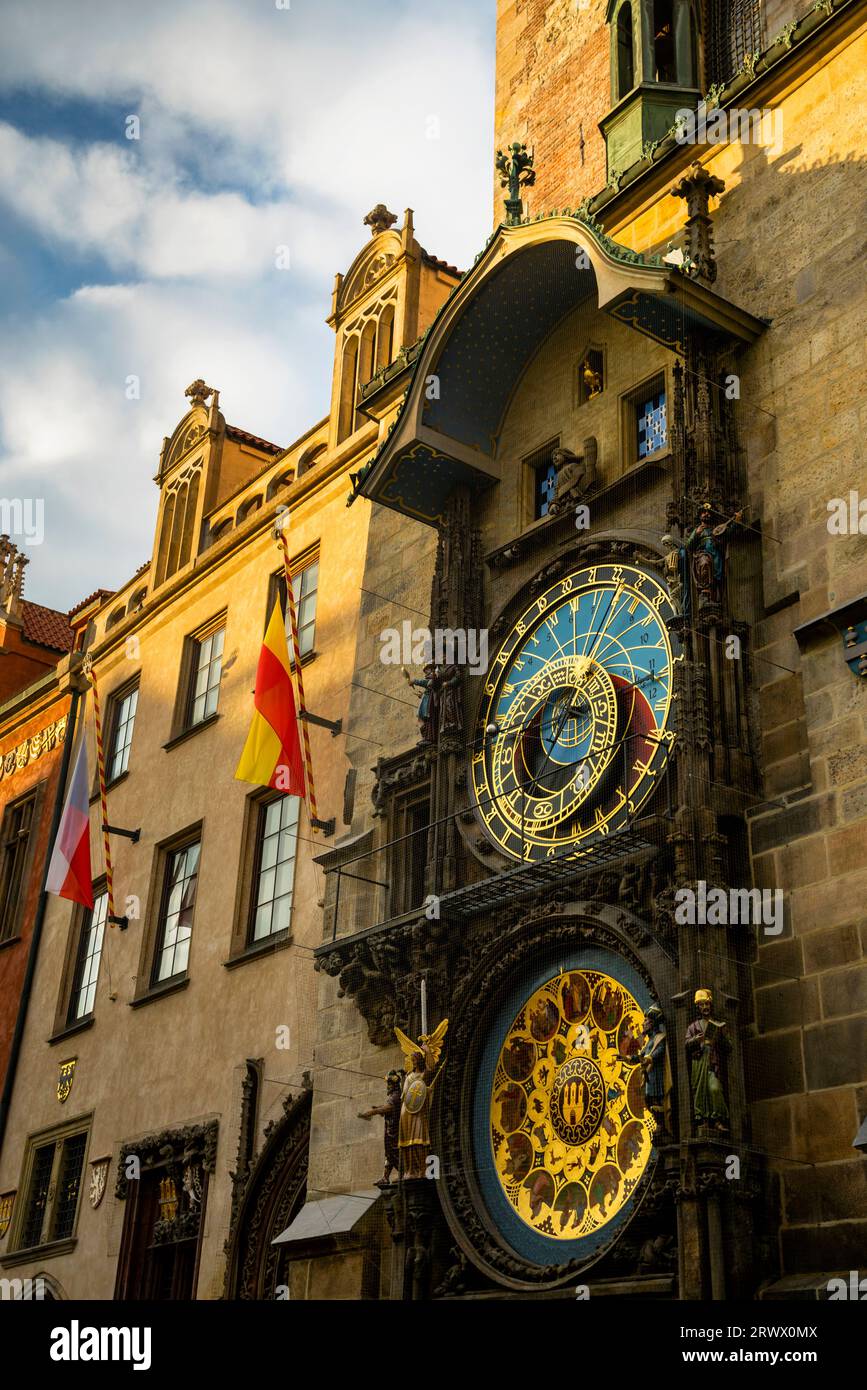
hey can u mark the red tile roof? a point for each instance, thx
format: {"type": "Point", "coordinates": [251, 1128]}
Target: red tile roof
{"type": "Point", "coordinates": [253, 440]}
{"type": "Point", "coordinates": [46, 627]}
{"type": "Point", "coordinates": [440, 265]}
{"type": "Point", "coordinates": [83, 603]}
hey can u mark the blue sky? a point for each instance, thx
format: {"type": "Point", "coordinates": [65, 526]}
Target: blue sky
{"type": "Point", "coordinates": [259, 127]}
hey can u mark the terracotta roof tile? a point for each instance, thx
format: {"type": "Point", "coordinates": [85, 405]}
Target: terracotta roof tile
{"type": "Point", "coordinates": [83, 603]}
{"type": "Point", "coordinates": [440, 265]}
{"type": "Point", "coordinates": [46, 627]}
{"type": "Point", "coordinates": [253, 440]}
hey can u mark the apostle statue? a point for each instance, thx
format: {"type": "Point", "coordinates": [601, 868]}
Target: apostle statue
{"type": "Point", "coordinates": [427, 713]}
{"type": "Point", "coordinates": [708, 545]}
{"type": "Point", "coordinates": [415, 1102]}
{"type": "Point", "coordinates": [706, 1043]}
{"type": "Point", "coordinates": [451, 705]}
{"type": "Point", "coordinates": [655, 1064]}
{"type": "Point", "coordinates": [390, 1112]}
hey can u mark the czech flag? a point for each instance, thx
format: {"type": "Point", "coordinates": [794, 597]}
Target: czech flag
{"type": "Point", "coordinates": [69, 874]}
{"type": "Point", "coordinates": [272, 753]}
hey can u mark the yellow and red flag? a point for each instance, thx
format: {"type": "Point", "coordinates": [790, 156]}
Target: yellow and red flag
{"type": "Point", "coordinates": [272, 753]}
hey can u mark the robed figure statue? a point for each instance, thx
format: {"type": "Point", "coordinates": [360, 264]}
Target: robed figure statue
{"type": "Point", "coordinates": [706, 1041]}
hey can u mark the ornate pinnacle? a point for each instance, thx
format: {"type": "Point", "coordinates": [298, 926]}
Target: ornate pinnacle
{"type": "Point", "coordinates": [697, 187]}
{"type": "Point", "coordinates": [198, 392]}
{"type": "Point", "coordinates": [379, 219]}
{"type": "Point", "coordinates": [515, 168]}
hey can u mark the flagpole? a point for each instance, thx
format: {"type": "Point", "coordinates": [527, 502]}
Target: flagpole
{"type": "Point", "coordinates": [76, 704]}
{"type": "Point", "coordinates": [103, 799]}
{"type": "Point", "coordinates": [302, 707]}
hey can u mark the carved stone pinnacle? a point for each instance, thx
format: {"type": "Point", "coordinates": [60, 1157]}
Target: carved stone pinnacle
{"type": "Point", "coordinates": [379, 219]}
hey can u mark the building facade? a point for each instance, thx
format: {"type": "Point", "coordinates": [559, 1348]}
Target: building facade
{"type": "Point", "coordinates": [572, 993]}
{"type": "Point", "coordinates": [158, 1130]}
{"type": "Point", "coordinates": [624, 859]}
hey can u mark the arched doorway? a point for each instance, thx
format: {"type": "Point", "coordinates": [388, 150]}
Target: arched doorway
{"type": "Point", "coordinates": [275, 1193]}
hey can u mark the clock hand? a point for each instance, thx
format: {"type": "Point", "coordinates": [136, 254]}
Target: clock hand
{"type": "Point", "coordinates": [600, 631]}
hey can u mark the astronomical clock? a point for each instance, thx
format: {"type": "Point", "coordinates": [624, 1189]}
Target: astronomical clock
{"type": "Point", "coordinates": [576, 722]}
{"type": "Point", "coordinates": [574, 733]}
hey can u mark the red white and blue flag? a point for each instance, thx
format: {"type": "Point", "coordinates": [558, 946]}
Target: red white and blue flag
{"type": "Point", "coordinates": [69, 873]}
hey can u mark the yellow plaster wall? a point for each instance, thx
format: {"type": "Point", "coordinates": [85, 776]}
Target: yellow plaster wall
{"type": "Point", "coordinates": [181, 1058]}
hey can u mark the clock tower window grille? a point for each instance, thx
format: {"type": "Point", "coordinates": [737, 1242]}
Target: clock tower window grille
{"type": "Point", "coordinates": [652, 425]}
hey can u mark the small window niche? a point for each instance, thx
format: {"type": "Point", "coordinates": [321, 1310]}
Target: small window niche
{"type": "Point", "coordinates": [540, 475]}
{"type": "Point", "coordinates": [590, 375]}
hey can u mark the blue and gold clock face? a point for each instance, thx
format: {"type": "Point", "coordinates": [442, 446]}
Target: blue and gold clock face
{"type": "Point", "coordinates": [577, 713]}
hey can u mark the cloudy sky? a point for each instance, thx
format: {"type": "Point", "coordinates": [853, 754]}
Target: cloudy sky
{"type": "Point", "coordinates": [259, 127]}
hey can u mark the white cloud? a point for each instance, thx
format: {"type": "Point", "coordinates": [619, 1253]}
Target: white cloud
{"type": "Point", "coordinates": [97, 202]}
{"type": "Point", "coordinates": [259, 128]}
{"type": "Point", "coordinates": [74, 439]}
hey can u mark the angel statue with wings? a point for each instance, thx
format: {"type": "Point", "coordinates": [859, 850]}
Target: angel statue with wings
{"type": "Point", "coordinates": [415, 1100]}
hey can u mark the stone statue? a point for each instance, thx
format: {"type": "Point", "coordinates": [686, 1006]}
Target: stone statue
{"type": "Point", "coordinates": [676, 575]}
{"type": "Point", "coordinates": [427, 713]}
{"type": "Point", "coordinates": [706, 1042]}
{"type": "Point", "coordinates": [576, 474]}
{"type": "Point", "coordinates": [414, 1131]}
{"type": "Point", "coordinates": [390, 1112]}
{"type": "Point", "coordinates": [591, 380]}
{"type": "Point", "coordinates": [655, 1065]}
{"type": "Point", "coordinates": [451, 706]}
{"type": "Point", "coordinates": [709, 544]}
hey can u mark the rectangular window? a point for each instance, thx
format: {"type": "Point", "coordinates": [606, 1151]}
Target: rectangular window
{"type": "Point", "coordinates": [176, 913]}
{"type": "Point", "coordinates": [68, 1186]}
{"type": "Point", "coordinates": [14, 844]}
{"type": "Point", "coordinates": [53, 1171]}
{"type": "Point", "coordinates": [37, 1196]}
{"type": "Point", "coordinates": [274, 876]}
{"type": "Point", "coordinates": [87, 961]}
{"type": "Point", "coordinates": [305, 586]}
{"type": "Point", "coordinates": [644, 421]}
{"type": "Point", "coordinates": [541, 473]}
{"type": "Point", "coordinates": [207, 668]}
{"type": "Point", "coordinates": [123, 711]}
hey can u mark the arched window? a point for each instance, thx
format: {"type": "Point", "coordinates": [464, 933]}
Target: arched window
{"type": "Point", "coordinates": [247, 508]}
{"type": "Point", "coordinates": [178, 527]}
{"type": "Point", "coordinates": [346, 416]}
{"type": "Point", "coordinates": [625, 51]}
{"type": "Point", "coordinates": [165, 537]}
{"type": "Point", "coordinates": [664, 65]}
{"type": "Point", "coordinates": [189, 521]}
{"type": "Point", "coordinates": [278, 482]}
{"type": "Point", "coordinates": [365, 365]}
{"type": "Point", "coordinates": [385, 337]}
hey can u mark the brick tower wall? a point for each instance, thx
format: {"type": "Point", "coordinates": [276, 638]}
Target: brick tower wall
{"type": "Point", "coordinates": [552, 89]}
